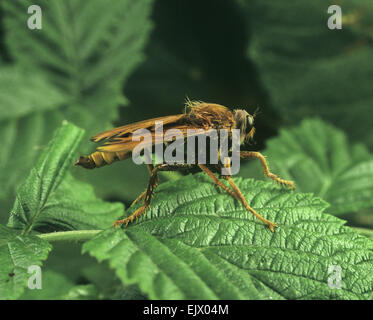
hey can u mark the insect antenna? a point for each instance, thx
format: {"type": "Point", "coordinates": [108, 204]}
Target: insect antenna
{"type": "Point", "coordinates": [257, 111]}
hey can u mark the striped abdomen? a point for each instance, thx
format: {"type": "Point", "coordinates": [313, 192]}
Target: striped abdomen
{"type": "Point", "coordinates": [99, 159]}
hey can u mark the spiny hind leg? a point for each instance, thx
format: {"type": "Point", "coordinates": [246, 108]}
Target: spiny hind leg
{"type": "Point", "coordinates": [241, 198]}
{"type": "Point", "coordinates": [142, 195]}
{"type": "Point", "coordinates": [149, 192]}
{"type": "Point", "coordinates": [236, 193]}
{"type": "Point", "coordinates": [153, 183]}
{"type": "Point", "coordinates": [216, 180]}
{"type": "Point", "coordinates": [267, 172]}
{"type": "Point", "coordinates": [138, 199]}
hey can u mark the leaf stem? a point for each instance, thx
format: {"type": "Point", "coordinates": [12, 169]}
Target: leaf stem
{"type": "Point", "coordinates": [78, 235]}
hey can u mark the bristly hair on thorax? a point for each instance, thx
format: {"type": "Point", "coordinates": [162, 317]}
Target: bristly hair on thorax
{"type": "Point", "coordinates": [189, 104]}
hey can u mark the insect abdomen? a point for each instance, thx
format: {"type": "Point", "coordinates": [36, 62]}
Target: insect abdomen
{"type": "Point", "coordinates": [99, 159]}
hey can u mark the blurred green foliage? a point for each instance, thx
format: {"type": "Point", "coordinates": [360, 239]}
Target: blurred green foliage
{"type": "Point", "coordinates": [99, 64]}
{"type": "Point", "coordinates": [321, 160]}
{"type": "Point", "coordinates": [309, 69]}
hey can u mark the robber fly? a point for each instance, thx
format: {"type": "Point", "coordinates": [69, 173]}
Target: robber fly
{"type": "Point", "coordinates": [119, 145]}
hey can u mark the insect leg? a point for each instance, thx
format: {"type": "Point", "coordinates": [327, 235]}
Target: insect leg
{"type": "Point", "coordinates": [267, 172]}
{"type": "Point", "coordinates": [241, 198]}
{"type": "Point", "coordinates": [153, 183]}
{"type": "Point", "coordinates": [216, 180]}
{"type": "Point", "coordinates": [138, 199]}
{"type": "Point", "coordinates": [236, 194]}
{"type": "Point", "coordinates": [142, 195]}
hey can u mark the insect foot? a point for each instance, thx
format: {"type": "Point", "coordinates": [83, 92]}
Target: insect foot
{"type": "Point", "coordinates": [272, 226]}
{"type": "Point", "coordinates": [129, 219]}
{"type": "Point", "coordinates": [281, 181]}
{"type": "Point", "coordinates": [288, 183]}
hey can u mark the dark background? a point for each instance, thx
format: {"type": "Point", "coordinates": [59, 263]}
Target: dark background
{"type": "Point", "coordinates": [198, 49]}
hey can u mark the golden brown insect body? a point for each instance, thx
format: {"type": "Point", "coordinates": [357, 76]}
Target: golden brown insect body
{"type": "Point", "coordinates": [198, 115]}
{"type": "Point", "coordinates": [118, 145]}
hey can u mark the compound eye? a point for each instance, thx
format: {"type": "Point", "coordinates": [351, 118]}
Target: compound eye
{"type": "Point", "coordinates": [249, 122]}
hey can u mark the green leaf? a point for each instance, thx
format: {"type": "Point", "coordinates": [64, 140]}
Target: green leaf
{"type": "Point", "coordinates": [52, 200]}
{"type": "Point", "coordinates": [85, 52]}
{"type": "Point", "coordinates": [86, 49]}
{"type": "Point", "coordinates": [197, 242]}
{"type": "Point", "coordinates": [311, 70]}
{"type": "Point", "coordinates": [29, 112]}
{"type": "Point", "coordinates": [24, 93]}
{"type": "Point", "coordinates": [74, 206]}
{"type": "Point", "coordinates": [17, 254]}
{"type": "Point", "coordinates": [56, 286]}
{"type": "Point", "coordinates": [319, 158]}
